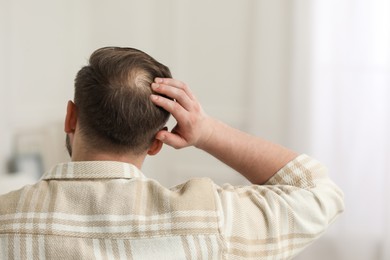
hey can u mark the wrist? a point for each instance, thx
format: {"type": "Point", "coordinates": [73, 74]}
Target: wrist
{"type": "Point", "coordinates": [208, 131]}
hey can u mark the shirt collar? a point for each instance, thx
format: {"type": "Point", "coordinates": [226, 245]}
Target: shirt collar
{"type": "Point", "coordinates": [93, 170]}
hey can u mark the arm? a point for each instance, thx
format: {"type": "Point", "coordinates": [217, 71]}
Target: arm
{"type": "Point", "coordinates": [272, 221]}
{"type": "Point", "coordinates": [255, 158]}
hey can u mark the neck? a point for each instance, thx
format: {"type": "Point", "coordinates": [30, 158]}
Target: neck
{"type": "Point", "coordinates": [82, 152]}
{"type": "Point", "coordinates": [136, 161]}
{"type": "Point", "coordinates": [88, 155]}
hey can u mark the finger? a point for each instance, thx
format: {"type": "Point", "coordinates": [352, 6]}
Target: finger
{"type": "Point", "coordinates": [174, 93]}
{"type": "Point", "coordinates": [171, 139]}
{"type": "Point", "coordinates": [178, 112]}
{"type": "Point", "coordinates": [177, 84]}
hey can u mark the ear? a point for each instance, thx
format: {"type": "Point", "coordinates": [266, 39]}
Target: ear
{"type": "Point", "coordinates": [71, 118]}
{"type": "Point", "coordinates": [155, 147]}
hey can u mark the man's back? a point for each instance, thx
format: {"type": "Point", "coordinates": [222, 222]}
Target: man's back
{"type": "Point", "coordinates": [107, 209]}
{"type": "Point", "coordinates": [110, 210]}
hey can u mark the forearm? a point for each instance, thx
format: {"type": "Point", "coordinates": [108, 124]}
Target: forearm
{"type": "Point", "coordinates": [255, 158]}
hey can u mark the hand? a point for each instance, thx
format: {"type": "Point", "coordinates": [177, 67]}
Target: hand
{"type": "Point", "coordinates": [192, 126]}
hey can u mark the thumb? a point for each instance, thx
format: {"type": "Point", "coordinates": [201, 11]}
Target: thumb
{"type": "Point", "coordinates": [171, 139]}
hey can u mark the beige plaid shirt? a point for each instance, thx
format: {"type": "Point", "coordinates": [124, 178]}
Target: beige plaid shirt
{"type": "Point", "coordinates": [110, 210]}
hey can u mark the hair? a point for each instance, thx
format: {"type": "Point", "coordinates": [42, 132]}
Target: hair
{"type": "Point", "coordinates": [112, 96]}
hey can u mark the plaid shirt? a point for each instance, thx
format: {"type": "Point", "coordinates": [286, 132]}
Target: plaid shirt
{"type": "Point", "coordinates": [110, 210]}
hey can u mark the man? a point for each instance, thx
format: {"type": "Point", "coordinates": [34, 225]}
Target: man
{"type": "Point", "coordinates": [101, 205]}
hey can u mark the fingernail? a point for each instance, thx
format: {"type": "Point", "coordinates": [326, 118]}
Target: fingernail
{"type": "Point", "coordinates": [158, 80]}
{"type": "Point", "coordinates": [154, 97]}
{"type": "Point", "coordinates": [155, 85]}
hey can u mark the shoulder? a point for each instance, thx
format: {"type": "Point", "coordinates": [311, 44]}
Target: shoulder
{"type": "Point", "coordinates": [10, 201]}
{"type": "Point", "coordinates": [195, 194]}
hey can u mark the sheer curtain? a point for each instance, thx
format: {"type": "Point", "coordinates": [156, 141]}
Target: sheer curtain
{"type": "Point", "coordinates": [348, 90]}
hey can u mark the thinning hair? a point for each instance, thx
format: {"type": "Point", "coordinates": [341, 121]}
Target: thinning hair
{"type": "Point", "coordinates": [112, 96]}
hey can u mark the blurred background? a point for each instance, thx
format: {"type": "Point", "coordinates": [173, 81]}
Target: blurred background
{"type": "Point", "coordinates": [312, 75]}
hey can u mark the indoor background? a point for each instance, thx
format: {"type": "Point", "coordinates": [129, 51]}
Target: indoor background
{"type": "Point", "coordinates": [312, 75]}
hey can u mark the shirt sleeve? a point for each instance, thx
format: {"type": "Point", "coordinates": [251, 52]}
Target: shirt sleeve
{"type": "Point", "coordinates": [277, 220]}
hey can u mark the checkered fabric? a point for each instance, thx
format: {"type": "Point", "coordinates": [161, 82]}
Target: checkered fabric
{"type": "Point", "coordinates": [110, 210]}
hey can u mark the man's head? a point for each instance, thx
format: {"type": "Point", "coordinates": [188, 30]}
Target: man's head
{"type": "Point", "coordinates": [112, 100]}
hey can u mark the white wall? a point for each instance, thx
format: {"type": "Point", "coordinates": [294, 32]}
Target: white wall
{"type": "Point", "coordinates": [43, 45]}
{"type": "Point", "coordinates": [234, 54]}
{"type": "Point", "coordinates": [3, 137]}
